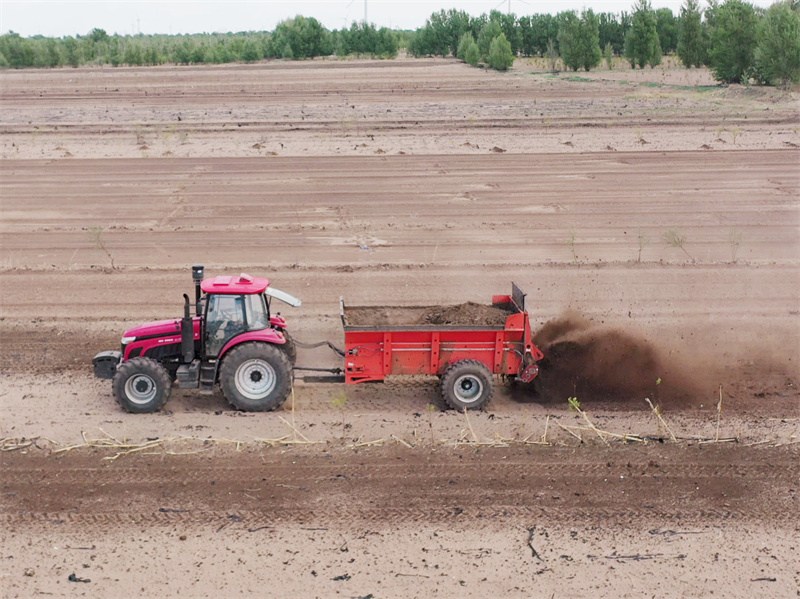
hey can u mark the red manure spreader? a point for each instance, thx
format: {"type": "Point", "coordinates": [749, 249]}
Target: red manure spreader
{"type": "Point", "coordinates": [235, 341]}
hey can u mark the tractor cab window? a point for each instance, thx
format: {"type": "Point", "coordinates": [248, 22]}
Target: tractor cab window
{"type": "Point", "coordinates": [257, 315]}
{"type": "Point", "coordinates": [225, 320]}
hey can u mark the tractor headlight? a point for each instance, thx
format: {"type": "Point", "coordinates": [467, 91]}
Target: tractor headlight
{"type": "Point", "coordinates": [127, 340]}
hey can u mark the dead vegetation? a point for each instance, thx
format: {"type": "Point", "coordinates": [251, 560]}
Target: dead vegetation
{"type": "Point", "coordinates": [586, 432]}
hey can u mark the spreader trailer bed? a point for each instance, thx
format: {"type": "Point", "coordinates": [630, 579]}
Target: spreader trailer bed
{"type": "Point", "coordinates": [465, 357]}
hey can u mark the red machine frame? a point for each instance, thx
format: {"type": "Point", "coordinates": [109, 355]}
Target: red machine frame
{"type": "Point", "coordinates": [374, 352]}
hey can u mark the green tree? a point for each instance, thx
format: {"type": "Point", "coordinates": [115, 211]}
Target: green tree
{"type": "Point", "coordinates": [251, 51]}
{"type": "Point", "coordinates": [641, 42]}
{"type": "Point", "coordinates": [365, 39]}
{"type": "Point", "coordinates": [300, 37]}
{"type": "Point", "coordinates": [569, 39]}
{"type": "Point", "coordinates": [667, 28]}
{"type": "Point", "coordinates": [472, 55]}
{"type": "Point", "coordinates": [777, 54]}
{"type": "Point", "coordinates": [543, 28]}
{"type": "Point", "coordinates": [98, 35]}
{"type": "Point", "coordinates": [53, 56]}
{"type": "Point", "coordinates": [441, 34]}
{"type": "Point", "coordinates": [579, 39]}
{"type": "Point", "coordinates": [691, 43]}
{"type": "Point", "coordinates": [509, 27]}
{"type": "Point", "coordinates": [608, 56]}
{"type": "Point", "coordinates": [612, 30]}
{"type": "Point", "coordinates": [463, 45]}
{"type": "Point", "coordinates": [590, 40]}
{"type": "Point", "coordinates": [526, 36]}
{"type": "Point", "coordinates": [732, 40]}
{"type": "Point", "coordinates": [500, 55]}
{"type": "Point", "coordinates": [489, 31]}
{"type": "Point", "coordinates": [133, 54]}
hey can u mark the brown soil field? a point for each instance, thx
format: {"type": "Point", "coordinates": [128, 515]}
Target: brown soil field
{"type": "Point", "coordinates": [651, 217]}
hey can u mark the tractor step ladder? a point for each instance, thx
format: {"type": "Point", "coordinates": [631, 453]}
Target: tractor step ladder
{"type": "Point", "coordinates": [208, 375]}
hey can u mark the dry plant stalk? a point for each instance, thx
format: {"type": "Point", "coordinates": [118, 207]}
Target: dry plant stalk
{"type": "Point", "coordinates": [542, 439]}
{"type": "Point", "coordinates": [474, 436]}
{"type": "Point", "coordinates": [14, 443]}
{"type": "Point", "coordinates": [360, 443]}
{"type": "Point", "coordinates": [275, 442]}
{"type": "Point", "coordinates": [401, 441]}
{"type": "Point", "coordinates": [657, 412]}
{"type": "Point", "coordinates": [590, 423]}
{"type": "Point", "coordinates": [624, 437]}
{"type": "Point", "coordinates": [113, 443]}
{"type": "Point", "coordinates": [719, 413]}
{"type": "Point", "coordinates": [577, 436]}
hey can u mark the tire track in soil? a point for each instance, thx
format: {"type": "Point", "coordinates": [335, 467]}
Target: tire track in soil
{"type": "Point", "coordinates": [390, 488]}
{"type": "Point", "coordinates": [310, 473]}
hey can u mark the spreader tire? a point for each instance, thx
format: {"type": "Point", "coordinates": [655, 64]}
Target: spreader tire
{"type": "Point", "coordinates": [467, 385]}
{"type": "Point", "coordinates": [141, 385]}
{"type": "Point", "coordinates": [290, 347]}
{"type": "Point", "coordinates": [256, 377]}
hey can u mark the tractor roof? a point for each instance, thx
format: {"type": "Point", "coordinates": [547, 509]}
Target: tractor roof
{"type": "Point", "coordinates": [242, 284]}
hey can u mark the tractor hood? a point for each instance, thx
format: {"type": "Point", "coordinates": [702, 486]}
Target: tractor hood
{"type": "Point", "coordinates": [158, 328]}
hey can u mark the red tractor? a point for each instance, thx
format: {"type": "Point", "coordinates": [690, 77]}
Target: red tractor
{"type": "Point", "coordinates": [233, 340]}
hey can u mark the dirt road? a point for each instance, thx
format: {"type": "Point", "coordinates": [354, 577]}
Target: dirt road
{"type": "Point", "coordinates": [656, 214]}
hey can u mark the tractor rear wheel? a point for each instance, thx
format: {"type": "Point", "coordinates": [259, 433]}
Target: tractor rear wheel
{"type": "Point", "coordinates": [467, 385]}
{"type": "Point", "coordinates": [141, 385]}
{"type": "Point", "coordinates": [256, 377]}
{"type": "Point", "coordinates": [290, 347]}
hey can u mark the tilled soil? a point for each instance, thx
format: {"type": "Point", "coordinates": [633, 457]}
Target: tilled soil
{"type": "Point", "coordinates": [652, 224]}
{"type": "Point", "coordinates": [535, 520]}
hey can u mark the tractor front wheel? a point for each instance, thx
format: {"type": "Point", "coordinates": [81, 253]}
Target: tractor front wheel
{"type": "Point", "coordinates": [141, 385]}
{"type": "Point", "coordinates": [467, 385]}
{"type": "Point", "coordinates": [256, 377]}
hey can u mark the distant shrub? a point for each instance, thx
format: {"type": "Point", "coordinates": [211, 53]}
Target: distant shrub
{"type": "Point", "coordinates": [463, 45]}
{"type": "Point", "coordinates": [500, 55]}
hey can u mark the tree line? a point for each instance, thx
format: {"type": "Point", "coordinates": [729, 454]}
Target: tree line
{"type": "Point", "coordinates": [736, 40]}
{"type": "Point", "coordinates": [296, 38]}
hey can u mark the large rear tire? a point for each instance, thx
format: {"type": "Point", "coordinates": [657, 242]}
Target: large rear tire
{"type": "Point", "coordinates": [467, 385]}
{"type": "Point", "coordinates": [290, 347]}
{"type": "Point", "coordinates": [141, 385]}
{"type": "Point", "coordinates": [256, 377]}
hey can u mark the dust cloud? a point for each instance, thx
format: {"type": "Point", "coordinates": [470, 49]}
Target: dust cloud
{"type": "Point", "coordinates": [596, 362]}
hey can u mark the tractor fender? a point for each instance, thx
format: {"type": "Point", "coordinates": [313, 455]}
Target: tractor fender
{"type": "Point", "coordinates": [264, 336]}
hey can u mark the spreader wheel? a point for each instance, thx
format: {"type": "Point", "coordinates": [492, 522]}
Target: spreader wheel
{"type": "Point", "coordinates": [256, 377]}
{"type": "Point", "coordinates": [141, 385]}
{"type": "Point", "coordinates": [467, 385]}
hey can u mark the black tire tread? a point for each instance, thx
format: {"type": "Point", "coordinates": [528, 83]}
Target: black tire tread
{"type": "Point", "coordinates": [457, 369]}
{"type": "Point", "coordinates": [290, 347]}
{"type": "Point", "coordinates": [147, 366]}
{"type": "Point", "coordinates": [256, 350]}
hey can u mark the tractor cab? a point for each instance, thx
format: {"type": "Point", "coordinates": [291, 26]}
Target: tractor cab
{"type": "Point", "coordinates": [233, 305]}
{"type": "Point", "coordinates": [237, 305]}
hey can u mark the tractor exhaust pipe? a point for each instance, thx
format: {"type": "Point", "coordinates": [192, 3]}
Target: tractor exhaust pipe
{"type": "Point", "coordinates": [187, 332]}
{"type": "Point", "coordinates": [197, 277]}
